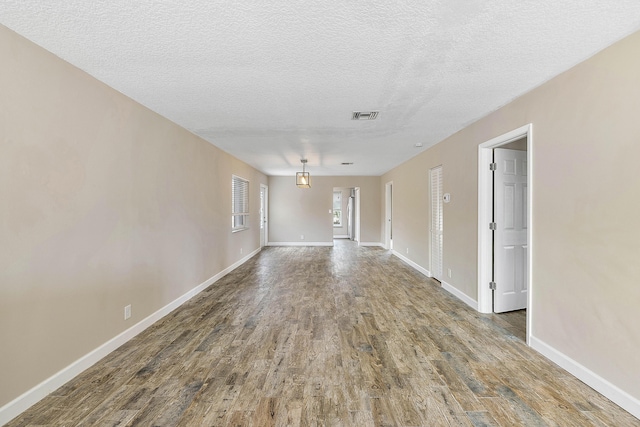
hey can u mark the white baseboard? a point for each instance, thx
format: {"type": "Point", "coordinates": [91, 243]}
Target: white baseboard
{"type": "Point", "coordinates": [42, 390]}
{"type": "Point", "coordinates": [371, 244]}
{"type": "Point", "coordinates": [301, 243]}
{"type": "Point", "coordinates": [593, 380]}
{"type": "Point", "coordinates": [341, 236]}
{"type": "Point", "coordinates": [460, 295]}
{"type": "Point", "coordinates": [320, 243]}
{"type": "Point", "coordinates": [412, 264]}
{"type": "Point", "coordinates": [601, 385]}
{"type": "Point", "coordinates": [455, 292]}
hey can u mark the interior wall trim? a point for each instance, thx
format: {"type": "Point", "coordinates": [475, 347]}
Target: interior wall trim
{"type": "Point", "coordinates": [301, 243]}
{"type": "Point", "coordinates": [593, 380]}
{"type": "Point", "coordinates": [447, 287]}
{"type": "Point", "coordinates": [371, 244]}
{"type": "Point", "coordinates": [460, 295]}
{"type": "Point", "coordinates": [42, 390]}
{"type": "Point", "coordinates": [412, 264]}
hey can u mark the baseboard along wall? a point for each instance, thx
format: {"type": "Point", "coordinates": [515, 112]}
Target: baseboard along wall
{"type": "Point", "coordinates": [300, 243]}
{"type": "Point", "coordinates": [46, 387]}
{"type": "Point", "coordinates": [412, 264]}
{"type": "Point", "coordinates": [599, 384]}
{"type": "Point", "coordinates": [593, 380]}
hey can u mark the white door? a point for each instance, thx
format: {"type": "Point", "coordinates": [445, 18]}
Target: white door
{"type": "Point", "coordinates": [437, 222]}
{"type": "Point", "coordinates": [263, 215]}
{"type": "Point", "coordinates": [388, 230]}
{"type": "Point", "coordinates": [510, 268]}
{"type": "Point", "coordinates": [350, 216]}
{"type": "Point", "coordinates": [356, 210]}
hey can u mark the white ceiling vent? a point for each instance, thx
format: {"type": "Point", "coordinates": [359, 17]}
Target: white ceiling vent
{"type": "Point", "coordinates": [364, 115]}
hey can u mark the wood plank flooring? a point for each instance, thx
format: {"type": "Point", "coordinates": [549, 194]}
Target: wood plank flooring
{"type": "Point", "coordinates": [341, 336]}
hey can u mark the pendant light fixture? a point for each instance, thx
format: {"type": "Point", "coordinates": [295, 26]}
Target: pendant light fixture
{"type": "Point", "coordinates": [303, 180]}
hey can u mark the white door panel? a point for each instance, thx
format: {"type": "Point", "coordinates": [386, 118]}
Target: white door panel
{"type": "Point", "coordinates": [510, 236]}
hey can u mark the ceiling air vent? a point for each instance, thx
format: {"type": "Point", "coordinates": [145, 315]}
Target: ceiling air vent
{"type": "Point", "coordinates": [364, 115]}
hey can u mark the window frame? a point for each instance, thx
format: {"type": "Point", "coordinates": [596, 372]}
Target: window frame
{"type": "Point", "coordinates": [239, 203]}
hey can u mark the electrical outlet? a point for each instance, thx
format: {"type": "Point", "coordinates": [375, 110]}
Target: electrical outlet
{"type": "Point", "coordinates": [240, 251]}
{"type": "Point", "coordinates": [449, 272]}
{"type": "Point", "coordinates": [302, 237]}
{"type": "Point", "coordinates": [127, 312]}
{"type": "Point", "coordinates": [407, 251]}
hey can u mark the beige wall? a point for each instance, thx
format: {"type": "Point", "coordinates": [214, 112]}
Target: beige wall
{"type": "Point", "coordinates": [104, 204]}
{"type": "Point", "coordinates": [306, 211]}
{"type": "Point", "coordinates": [586, 206]}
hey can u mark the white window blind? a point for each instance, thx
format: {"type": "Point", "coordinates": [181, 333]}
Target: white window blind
{"type": "Point", "coordinates": [239, 203]}
{"type": "Point", "coordinates": [437, 225]}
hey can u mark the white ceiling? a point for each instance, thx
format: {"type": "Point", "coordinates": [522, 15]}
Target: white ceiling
{"type": "Point", "coordinates": [274, 81]}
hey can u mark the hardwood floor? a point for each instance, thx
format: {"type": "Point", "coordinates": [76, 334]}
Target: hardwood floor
{"type": "Point", "coordinates": [514, 322]}
{"type": "Point", "coordinates": [341, 336]}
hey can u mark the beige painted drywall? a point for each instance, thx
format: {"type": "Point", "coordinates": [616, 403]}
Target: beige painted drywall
{"type": "Point", "coordinates": [295, 212]}
{"type": "Point", "coordinates": [586, 207]}
{"type": "Point", "coordinates": [104, 204]}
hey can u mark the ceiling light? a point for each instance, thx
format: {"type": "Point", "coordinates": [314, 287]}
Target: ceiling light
{"type": "Point", "coordinates": [418, 144]}
{"type": "Point", "coordinates": [303, 180]}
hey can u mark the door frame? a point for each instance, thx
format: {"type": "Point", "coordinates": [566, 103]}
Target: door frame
{"type": "Point", "coordinates": [485, 210]}
{"type": "Point", "coordinates": [265, 241]}
{"type": "Point", "coordinates": [356, 209]}
{"type": "Point", "coordinates": [388, 214]}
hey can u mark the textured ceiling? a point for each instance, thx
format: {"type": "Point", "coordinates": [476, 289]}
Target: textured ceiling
{"type": "Point", "coordinates": [274, 81]}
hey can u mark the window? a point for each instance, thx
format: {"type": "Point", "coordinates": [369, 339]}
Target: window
{"type": "Point", "coordinates": [239, 203]}
{"type": "Point", "coordinates": [337, 208]}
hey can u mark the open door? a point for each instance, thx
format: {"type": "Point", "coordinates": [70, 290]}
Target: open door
{"type": "Point", "coordinates": [511, 251]}
{"type": "Point", "coordinates": [356, 210]}
{"type": "Point", "coordinates": [388, 222]}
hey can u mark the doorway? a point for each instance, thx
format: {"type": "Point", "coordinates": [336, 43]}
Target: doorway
{"type": "Point", "coordinates": [356, 219]}
{"type": "Point", "coordinates": [388, 216]}
{"type": "Point", "coordinates": [346, 213]}
{"type": "Point", "coordinates": [264, 209]}
{"type": "Point", "coordinates": [486, 275]}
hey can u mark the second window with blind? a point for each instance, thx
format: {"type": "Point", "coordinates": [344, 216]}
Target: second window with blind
{"type": "Point", "coordinates": [239, 203]}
